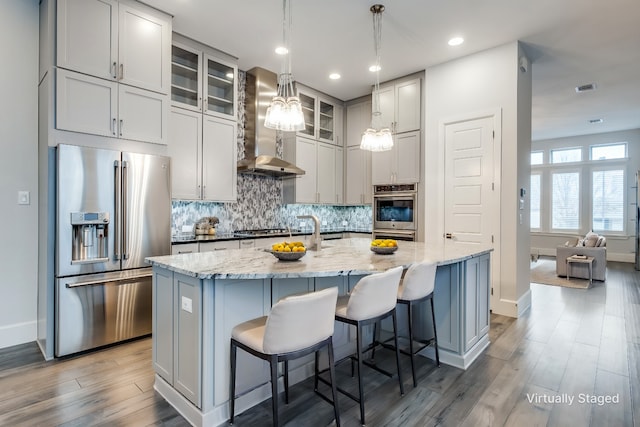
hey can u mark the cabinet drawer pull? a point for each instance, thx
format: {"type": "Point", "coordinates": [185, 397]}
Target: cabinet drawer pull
{"type": "Point", "coordinates": [121, 123]}
{"type": "Point", "coordinates": [114, 70]}
{"type": "Point", "coordinates": [121, 71]}
{"type": "Point", "coordinates": [113, 127]}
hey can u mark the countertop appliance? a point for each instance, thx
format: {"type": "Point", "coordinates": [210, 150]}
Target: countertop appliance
{"type": "Point", "coordinates": [395, 213]}
{"type": "Point", "coordinates": [113, 209]}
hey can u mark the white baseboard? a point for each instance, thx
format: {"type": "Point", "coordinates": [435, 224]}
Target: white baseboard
{"type": "Point", "coordinates": [18, 333]}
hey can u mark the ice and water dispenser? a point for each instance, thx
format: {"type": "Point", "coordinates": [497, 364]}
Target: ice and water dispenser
{"type": "Point", "coordinates": [90, 237]}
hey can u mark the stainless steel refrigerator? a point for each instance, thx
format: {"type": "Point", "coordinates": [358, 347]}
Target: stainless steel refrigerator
{"type": "Point", "coordinates": [112, 211]}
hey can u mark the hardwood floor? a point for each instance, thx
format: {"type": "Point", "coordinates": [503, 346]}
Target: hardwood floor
{"type": "Point", "coordinates": [572, 343]}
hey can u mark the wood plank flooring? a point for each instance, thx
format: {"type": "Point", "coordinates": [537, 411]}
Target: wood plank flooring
{"type": "Point", "coordinates": [572, 343]}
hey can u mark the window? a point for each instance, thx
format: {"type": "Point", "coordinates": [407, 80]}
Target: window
{"type": "Point", "coordinates": [608, 200]}
{"type": "Point", "coordinates": [537, 157]}
{"type": "Point", "coordinates": [566, 155]}
{"type": "Point", "coordinates": [565, 201]}
{"type": "Point", "coordinates": [609, 151]}
{"type": "Point", "coordinates": [535, 200]}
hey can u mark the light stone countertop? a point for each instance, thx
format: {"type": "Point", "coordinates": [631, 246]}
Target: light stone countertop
{"type": "Point", "coordinates": [337, 257]}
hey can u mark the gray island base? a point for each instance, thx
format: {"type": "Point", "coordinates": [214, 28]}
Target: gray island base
{"type": "Point", "coordinates": [198, 298]}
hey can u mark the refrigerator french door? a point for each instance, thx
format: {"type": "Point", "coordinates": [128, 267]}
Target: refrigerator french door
{"type": "Point", "coordinates": [113, 210]}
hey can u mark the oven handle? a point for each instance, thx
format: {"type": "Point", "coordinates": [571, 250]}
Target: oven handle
{"type": "Point", "coordinates": [394, 231]}
{"type": "Point", "coordinates": [394, 195]}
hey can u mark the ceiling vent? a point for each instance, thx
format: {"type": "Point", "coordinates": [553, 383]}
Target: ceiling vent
{"type": "Point", "coordinates": [585, 88]}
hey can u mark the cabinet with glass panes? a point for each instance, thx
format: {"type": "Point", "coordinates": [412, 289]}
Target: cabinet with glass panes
{"type": "Point", "coordinates": [201, 80]}
{"type": "Point", "coordinates": [319, 116]}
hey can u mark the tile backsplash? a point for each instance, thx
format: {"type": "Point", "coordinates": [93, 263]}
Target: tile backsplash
{"type": "Point", "coordinates": [259, 202]}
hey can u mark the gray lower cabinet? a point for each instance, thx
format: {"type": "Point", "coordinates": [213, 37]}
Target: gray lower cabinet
{"type": "Point", "coordinates": [446, 299]}
{"type": "Point", "coordinates": [476, 298]}
{"type": "Point", "coordinates": [177, 329]}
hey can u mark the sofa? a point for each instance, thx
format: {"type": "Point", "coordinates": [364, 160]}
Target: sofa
{"type": "Point", "coordinates": [591, 245]}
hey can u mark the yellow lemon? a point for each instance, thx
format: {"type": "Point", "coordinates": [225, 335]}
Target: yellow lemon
{"type": "Point", "coordinates": [287, 249]}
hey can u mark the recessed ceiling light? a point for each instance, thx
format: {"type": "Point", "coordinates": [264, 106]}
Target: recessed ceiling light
{"type": "Point", "coordinates": [595, 121]}
{"type": "Point", "coordinates": [456, 41]}
{"type": "Point", "coordinates": [334, 76]}
{"type": "Point", "coordinates": [585, 88]}
{"type": "Point", "coordinates": [281, 50]}
{"type": "Point", "coordinates": [375, 68]}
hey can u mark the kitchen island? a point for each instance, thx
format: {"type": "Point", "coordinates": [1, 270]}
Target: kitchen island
{"type": "Point", "coordinates": [198, 298]}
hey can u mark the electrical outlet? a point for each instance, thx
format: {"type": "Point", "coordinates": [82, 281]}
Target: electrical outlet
{"type": "Point", "coordinates": [324, 223]}
{"type": "Point", "coordinates": [345, 223]}
{"type": "Point", "coordinates": [187, 304]}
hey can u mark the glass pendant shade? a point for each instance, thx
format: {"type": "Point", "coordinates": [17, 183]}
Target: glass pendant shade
{"type": "Point", "coordinates": [376, 138]}
{"type": "Point", "coordinates": [285, 111]}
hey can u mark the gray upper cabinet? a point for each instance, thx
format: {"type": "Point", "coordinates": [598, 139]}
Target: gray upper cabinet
{"type": "Point", "coordinates": [120, 41]}
{"type": "Point", "coordinates": [400, 105]}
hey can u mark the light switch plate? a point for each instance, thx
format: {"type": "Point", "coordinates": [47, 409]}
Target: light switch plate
{"type": "Point", "coordinates": [24, 198]}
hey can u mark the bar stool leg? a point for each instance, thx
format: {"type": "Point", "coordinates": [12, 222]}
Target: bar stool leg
{"type": "Point", "coordinates": [435, 334]}
{"type": "Point", "coordinates": [232, 383]}
{"type": "Point", "coordinates": [332, 377]}
{"type": "Point", "coordinates": [412, 355]}
{"type": "Point", "coordinates": [273, 361]}
{"type": "Point", "coordinates": [360, 356]}
{"type": "Point", "coordinates": [395, 338]}
{"type": "Point", "coordinates": [286, 382]}
{"type": "Point", "coordinates": [317, 371]}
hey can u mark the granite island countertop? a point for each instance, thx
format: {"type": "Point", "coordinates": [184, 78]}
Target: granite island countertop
{"type": "Point", "coordinates": [337, 257]}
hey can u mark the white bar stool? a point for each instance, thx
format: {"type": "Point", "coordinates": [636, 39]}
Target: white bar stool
{"type": "Point", "coordinates": [296, 326]}
{"type": "Point", "coordinates": [371, 300]}
{"type": "Point", "coordinates": [417, 286]}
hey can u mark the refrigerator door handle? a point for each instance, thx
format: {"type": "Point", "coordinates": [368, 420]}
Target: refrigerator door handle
{"type": "Point", "coordinates": [117, 243]}
{"type": "Point", "coordinates": [125, 211]}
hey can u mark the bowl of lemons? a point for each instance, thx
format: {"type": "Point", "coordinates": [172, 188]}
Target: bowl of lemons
{"type": "Point", "coordinates": [288, 251]}
{"type": "Point", "coordinates": [384, 246]}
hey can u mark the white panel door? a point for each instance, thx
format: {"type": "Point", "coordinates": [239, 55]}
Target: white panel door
{"type": "Point", "coordinates": [86, 104]}
{"type": "Point", "coordinates": [326, 178]}
{"type": "Point", "coordinates": [306, 160]}
{"type": "Point", "coordinates": [143, 115]}
{"type": "Point", "coordinates": [184, 148]}
{"type": "Point", "coordinates": [86, 39]}
{"type": "Point", "coordinates": [469, 173]}
{"type": "Point", "coordinates": [219, 159]}
{"type": "Point", "coordinates": [144, 50]}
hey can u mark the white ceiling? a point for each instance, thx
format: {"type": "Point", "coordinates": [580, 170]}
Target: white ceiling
{"type": "Point", "coordinates": [570, 43]}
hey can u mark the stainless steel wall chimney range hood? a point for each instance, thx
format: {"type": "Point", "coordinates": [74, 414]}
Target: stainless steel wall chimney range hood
{"type": "Point", "coordinates": [259, 141]}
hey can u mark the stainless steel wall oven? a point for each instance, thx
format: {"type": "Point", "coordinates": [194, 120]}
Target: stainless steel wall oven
{"type": "Point", "coordinates": [395, 210]}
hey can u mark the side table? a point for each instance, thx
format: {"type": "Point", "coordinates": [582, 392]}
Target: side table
{"type": "Point", "coordinates": [587, 260]}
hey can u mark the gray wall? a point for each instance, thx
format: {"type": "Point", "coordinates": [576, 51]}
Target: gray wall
{"type": "Point", "coordinates": [18, 163]}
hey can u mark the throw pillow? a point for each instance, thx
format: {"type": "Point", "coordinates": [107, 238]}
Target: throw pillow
{"type": "Point", "coordinates": [591, 240]}
{"type": "Point", "coordinates": [602, 242]}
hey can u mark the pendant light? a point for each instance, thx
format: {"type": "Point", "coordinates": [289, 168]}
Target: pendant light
{"type": "Point", "coordinates": [285, 111]}
{"type": "Point", "coordinates": [376, 138]}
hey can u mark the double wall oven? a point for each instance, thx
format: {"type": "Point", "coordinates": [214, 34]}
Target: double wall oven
{"type": "Point", "coordinates": [395, 213]}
